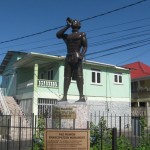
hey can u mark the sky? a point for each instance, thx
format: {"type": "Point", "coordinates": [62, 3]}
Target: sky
{"type": "Point", "coordinates": [118, 33]}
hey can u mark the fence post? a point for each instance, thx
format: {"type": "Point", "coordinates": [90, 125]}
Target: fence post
{"type": "Point", "coordinates": [88, 125]}
{"type": "Point", "coordinates": [32, 129]}
{"type": "Point", "coordinates": [59, 120]}
{"type": "Point", "coordinates": [101, 136]}
{"type": "Point", "coordinates": [8, 134]}
{"type": "Point", "coordinates": [19, 133]}
{"type": "Point", "coordinates": [74, 124]}
{"type": "Point", "coordinates": [119, 126]}
{"type": "Point", "coordinates": [114, 139]}
{"type": "Point", "coordinates": [1, 131]}
{"type": "Point", "coordinates": [46, 122]}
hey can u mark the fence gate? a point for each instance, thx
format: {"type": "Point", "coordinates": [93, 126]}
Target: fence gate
{"type": "Point", "coordinates": [136, 126]}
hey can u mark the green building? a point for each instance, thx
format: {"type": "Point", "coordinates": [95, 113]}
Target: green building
{"type": "Point", "coordinates": [35, 81]}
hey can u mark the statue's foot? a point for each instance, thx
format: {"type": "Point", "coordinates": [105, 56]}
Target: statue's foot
{"type": "Point", "coordinates": [64, 99]}
{"type": "Point", "coordinates": [81, 99]}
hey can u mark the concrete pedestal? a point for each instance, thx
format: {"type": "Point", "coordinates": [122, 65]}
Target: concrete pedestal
{"type": "Point", "coordinates": [70, 116]}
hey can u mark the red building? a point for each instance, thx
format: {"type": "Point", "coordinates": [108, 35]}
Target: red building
{"type": "Point", "coordinates": [140, 88]}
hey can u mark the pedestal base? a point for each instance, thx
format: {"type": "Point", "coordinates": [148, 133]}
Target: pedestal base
{"type": "Point", "coordinates": [70, 116]}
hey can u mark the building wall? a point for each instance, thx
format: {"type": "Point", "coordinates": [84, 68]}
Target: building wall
{"type": "Point", "coordinates": [110, 97]}
{"type": "Point", "coordinates": [9, 76]}
{"type": "Point", "coordinates": [107, 88]}
{"type": "Point", "coordinates": [24, 75]}
{"type": "Point", "coordinates": [111, 111]}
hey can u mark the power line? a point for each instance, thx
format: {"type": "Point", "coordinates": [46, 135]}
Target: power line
{"type": "Point", "coordinates": [25, 43]}
{"type": "Point", "coordinates": [92, 44]}
{"type": "Point", "coordinates": [112, 53]}
{"type": "Point", "coordinates": [133, 57]}
{"type": "Point", "coordinates": [115, 25]}
{"type": "Point", "coordinates": [118, 51]}
{"type": "Point", "coordinates": [117, 47]}
{"type": "Point", "coordinates": [120, 46]}
{"type": "Point", "coordinates": [56, 61]}
{"type": "Point", "coordinates": [124, 37]}
{"type": "Point", "coordinates": [100, 42]}
{"type": "Point", "coordinates": [60, 51]}
{"type": "Point", "coordinates": [105, 34]}
{"type": "Point", "coordinates": [115, 32]}
{"type": "Point", "coordinates": [34, 34]}
{"type": "Point", "coordinates": [120, 38]}
{"type": "Point", "coordinates": [127, 6]}
{"type": "Point", "coordinates": [89, 18]}
{"type": "Point", "coordinates": [114, 48]}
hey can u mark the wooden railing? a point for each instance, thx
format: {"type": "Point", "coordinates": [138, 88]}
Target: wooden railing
{"type": "Point", "coordinates": [139, 111]}
{"type": "Point", "coordinates": [141, 94]}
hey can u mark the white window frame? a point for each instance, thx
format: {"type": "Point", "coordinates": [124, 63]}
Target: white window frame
{"type": "Point", "coordinates": [118, 75]}
{"type": "Point", "coordinates": [96, 72]}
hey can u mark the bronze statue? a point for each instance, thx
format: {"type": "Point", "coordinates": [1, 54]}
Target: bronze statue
{"type": "Point", "coordinates": [73, 62]}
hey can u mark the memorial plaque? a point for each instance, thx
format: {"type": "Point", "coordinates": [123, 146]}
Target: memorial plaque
{"type": "Point", "coordinates": [67, 140]}
{"type": "Point", "coordinates": [64, 113]}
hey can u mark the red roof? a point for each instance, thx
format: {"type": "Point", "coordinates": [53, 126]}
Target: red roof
{"type": "Point", "coordinates": [138, 70]}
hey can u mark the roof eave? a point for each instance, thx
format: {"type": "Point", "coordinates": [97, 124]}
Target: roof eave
{"type": "Point", "coordinates": [141, 78]}
{"type": "Point", "coordinates": [105, 65]}
{"type": "Point", "coordinates": [30, 56]}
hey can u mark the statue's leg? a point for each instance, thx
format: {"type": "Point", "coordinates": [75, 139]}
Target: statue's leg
{"type": "Point", "coordinates": [80, 80]}
{"type": "Point", "coordinates": [80, 86]}
{"type": "Point", "coordinates": [67, 79]}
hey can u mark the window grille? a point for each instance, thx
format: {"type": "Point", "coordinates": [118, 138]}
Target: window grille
{"type": "Point", "coordinates": [45, 107]}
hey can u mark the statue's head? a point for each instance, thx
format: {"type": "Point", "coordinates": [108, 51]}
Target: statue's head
{"type": "Point", "coordinates": [75, 24]}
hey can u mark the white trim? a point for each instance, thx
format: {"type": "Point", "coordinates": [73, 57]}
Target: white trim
{"type": "Point", "coordinates": [116, 83]}
{"type": "Point", "coordinates": [97, 84]}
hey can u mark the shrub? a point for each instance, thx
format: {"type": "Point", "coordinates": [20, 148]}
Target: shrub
{"type": "Point", "coordinates": [38, 139]}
